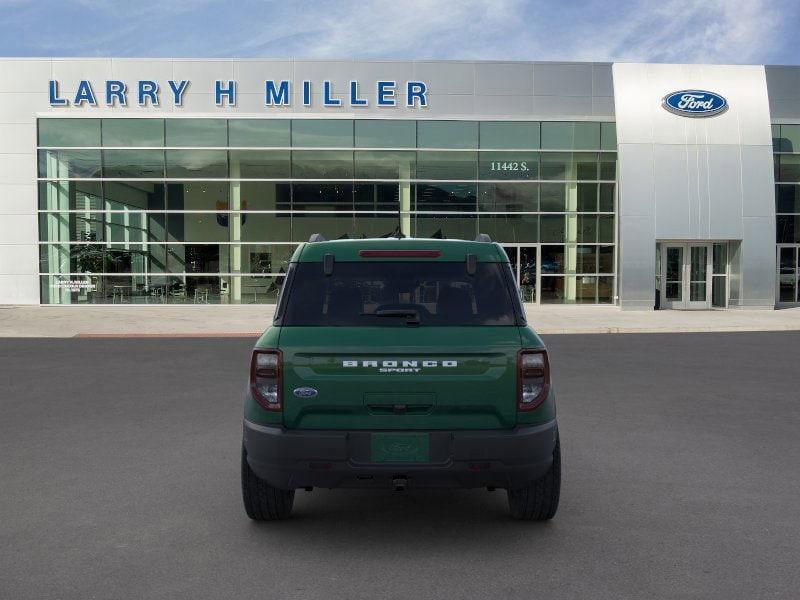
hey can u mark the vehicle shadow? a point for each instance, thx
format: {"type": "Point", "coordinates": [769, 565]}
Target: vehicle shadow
{"type": "Point", "coordinates": [429, 521]}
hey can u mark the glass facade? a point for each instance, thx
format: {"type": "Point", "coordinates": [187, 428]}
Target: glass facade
{"type": "Point", "coordinates": [210, 210]}
{"type": "Point", "coordinates": [786, 148]}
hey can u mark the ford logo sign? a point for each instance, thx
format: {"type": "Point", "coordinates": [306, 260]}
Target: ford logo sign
{"type": "Point", "coordinates": [695, 103]}
{"type": "Point", "coordinates": [305, 392]}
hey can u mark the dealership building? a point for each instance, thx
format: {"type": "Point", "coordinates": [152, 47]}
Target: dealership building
{"type": "Point", "coordinates": [186, 181]}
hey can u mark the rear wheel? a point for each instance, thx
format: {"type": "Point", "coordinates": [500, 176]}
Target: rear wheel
{"type": "Point", "coordinates": [538, 501]}
{"type": "Point", "coordinates": [263, 502]}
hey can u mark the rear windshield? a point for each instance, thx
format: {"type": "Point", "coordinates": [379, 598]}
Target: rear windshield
{"type": "Point", "coordinates": [369, 294]}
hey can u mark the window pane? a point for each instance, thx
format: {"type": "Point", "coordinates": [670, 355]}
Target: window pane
{"type": "Point", "coordinates": [557, 135]}
{"type": "Point", "coordinates": [553, 197]}
{"type": "Point", "coordinates": [65, 133]}
{"type": "Point", "coordinates": [510, 228]}
{"type": "Point", "coordinates": [509, 165]}
{"type": "Point", "coordinates": [134, 195]}
{"type": "Point", "coordinates": [260, 164]}
{"type": "Point", "coordinates": [608, 166]}
{"type": "Point", "coordinates": [133, 132]}
{"type": "Point", "coordinates": [552, 228]}
{"type": "Point", "coordinates": [509, 134]}
{"type": "Point", "coordinates": [788, 229]}
{"type": "Point", "coordinates": [461, 197]}
{"type": "Point", "coordinates": [787, 288]}
{"type": "Point", "coordinates": [608, 136]}
{"type": "Point", "coordinates": [257, 289]}
{"type": "Point", "coordinates": [197, 163]}
{"type": "Point", "coordinates": [266, 227]}
{"type": "Point", "coordinates": [556, 165]}
{"type": "Point", "coordinates": [322, 196]}
{"type": "Point", "coordinates": [71, 258]}
{"type": "Point", "coordinates": [586, 259]}
{"type": "Point", "coordinates": [198, 195]}
{"type": "Point", "coordinates": [585, 289]}
{"type": "Point", "coordinates": [606, 259]}
{"type": "Point", "coordinates": [606, 197]}
{"type": "Point", "coordinates": [322, 133]}
{"type": "Point", "coordinates": [333, 226]}
{"type": "Point", "coordinates": [787, 263]}
{"type": "Point", "coordinates": [87, 289]}
{"type": "Point", "coordinates": [134, 258]}
{"type": "Point", "coordinates": [585, 166]}
{"type": "Point", "coordinates": [605, 290]}
{"type": "Point", "coordinates": [198, 227]}
{"type": "Point", "coordinates": [444, 226]}
{"type": "Point", "coordinates": [322, 164]}
{"type": "Point", "coordinates": [720, 263]}
{"type": "Point", "coordinates": [266, 258]}
{"type": "Point", "coordinates": [447, 165]}
{"type": "Point", "coordinates": [790, 138]}
{"type": "Point", "coordinates": [71, 227]}
{"type": "Point", "coordinates": [70, 195]}
{"type": "Point", "coordinates": [377, 225]}
{"type": "Point", "coordinates": [587, 136]}
{"type": "Point", "coordinates": [552, 290]}
{"type": "Point", "coordinates": [197, 132]}
{"type": "Point", "coordinates": [776, 135]}
{"type": "Point", "coordinates": [605, 229]}
{"type": "Point", "coordinates": [385, 165]}
{"type": "Point", "coordinates": [133, 164]}
{"type": "Point", "coordinates": [379, 133]}
{"type": "Point", "coordinates": [447, 134]}
{"type": "Point", "coordinates": [198, 290]}
{"type": "Point", "coordinates": [789, 170]}
{"type": "Point", "coordinates": [380, 196]}
{"type": "Point", "coordinates": [248, 133]}
{"type": "Point", "coordinates": [509, 197]}
{"type": "Point", "coordinates": [587, 197]}
{"type": "Point", "coordinates": [263, 195]}
{"type": "Point", "coordinates": [587, 229]}
{"type": "Point", "coordinates": [787, 198]}
{"type": "Point", "coordinates": [62, 164]}
{"type": "Point", "coordinates": [198, 258]}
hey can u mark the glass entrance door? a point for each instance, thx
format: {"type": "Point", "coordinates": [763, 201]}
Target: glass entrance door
{"type": "Point", "coordinates": [686, 276]}
{"type": "Point", "coordinates": [524, 264]}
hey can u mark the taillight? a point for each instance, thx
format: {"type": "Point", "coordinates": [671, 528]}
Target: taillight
{"type": "Point", "coordinates": [265, 378]}
{"type": "Point", "coordinates": [533, 379]}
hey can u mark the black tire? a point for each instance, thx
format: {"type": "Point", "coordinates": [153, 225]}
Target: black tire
{"type": "Point", "coordinates": [538, 501]}
{"type": "Point", "coordinates": [263, 502]}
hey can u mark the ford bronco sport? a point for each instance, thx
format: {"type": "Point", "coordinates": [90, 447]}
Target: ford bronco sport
{"type": "Point", "coordinates": [395, 363]}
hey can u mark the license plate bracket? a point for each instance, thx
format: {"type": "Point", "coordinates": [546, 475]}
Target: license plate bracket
{"type": "Point", "coordinates": [390, 447]}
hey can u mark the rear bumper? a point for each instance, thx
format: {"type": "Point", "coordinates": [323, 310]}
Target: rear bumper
{"type": "Point", "coordinates": [291, 459]}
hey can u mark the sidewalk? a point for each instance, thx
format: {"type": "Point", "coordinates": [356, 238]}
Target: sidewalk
{"type": "Point", "coordinates": [251, 320]}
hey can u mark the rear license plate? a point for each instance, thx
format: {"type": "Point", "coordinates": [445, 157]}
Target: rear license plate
{"type": "Point", "coordinates": [400, 447]}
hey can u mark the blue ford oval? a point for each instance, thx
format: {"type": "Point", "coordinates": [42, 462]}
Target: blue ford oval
{"type": "Point", "coordinates": [305, 392]}
{"type": "Point", "coordinates": [695, 103]}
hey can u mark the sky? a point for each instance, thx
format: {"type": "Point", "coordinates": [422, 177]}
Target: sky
{"type": "Point", "coordinates": [680, 31]}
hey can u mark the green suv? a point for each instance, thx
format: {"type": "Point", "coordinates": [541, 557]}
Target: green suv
{"type": "Point", "coordinates": [400, 363]}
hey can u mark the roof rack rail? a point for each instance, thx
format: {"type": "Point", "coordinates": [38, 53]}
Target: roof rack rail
{"type": "Point", "coordinates": [483, 237]}
{"type": "Point", "coordinates": [316, 237]}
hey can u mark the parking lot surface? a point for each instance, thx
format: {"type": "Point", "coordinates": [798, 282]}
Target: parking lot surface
{"type": "Point", "coordinates": [681, 463]}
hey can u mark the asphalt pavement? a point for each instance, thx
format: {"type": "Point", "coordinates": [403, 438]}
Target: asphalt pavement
{"type": "Point", "coordinates": [119, 478]}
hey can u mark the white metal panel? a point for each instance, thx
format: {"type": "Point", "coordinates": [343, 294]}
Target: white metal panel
{"type": "Point", "coordinates": [19, 289]}
{"type": "Point", "coordinates": [17, 198]}
{"type": "Point", "coordinates": [19, 259]}
{"type": "Point", "coordinates": [24, 75]}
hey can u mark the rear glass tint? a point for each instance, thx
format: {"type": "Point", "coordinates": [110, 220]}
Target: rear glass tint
{"type": "Point", "coordinates": [399, 294]}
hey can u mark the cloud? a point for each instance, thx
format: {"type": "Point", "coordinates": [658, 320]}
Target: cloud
{"type": "Point", "coordinates": [713, 31]}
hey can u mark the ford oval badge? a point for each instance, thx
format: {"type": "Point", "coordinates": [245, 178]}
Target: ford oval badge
{"type": "Point", "coordinates": [695, 103]}
{"type": "Point", "coordinates": [305, 392]}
